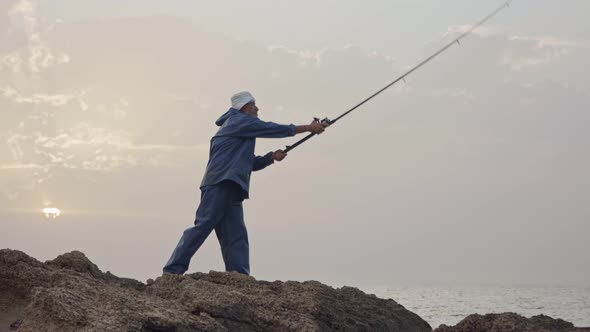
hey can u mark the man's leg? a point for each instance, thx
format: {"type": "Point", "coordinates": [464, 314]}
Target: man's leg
{"type": "Point", "coordinates": [211, 210]}
{"type": "Point", "coordinates": [233, 237]}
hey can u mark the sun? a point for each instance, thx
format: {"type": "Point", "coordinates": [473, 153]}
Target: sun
{"type": "Point", "coordinates": [51, 213]}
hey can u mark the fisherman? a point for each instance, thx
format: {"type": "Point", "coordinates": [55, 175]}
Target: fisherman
{"type": "Point", "coordinates": [226, 183]}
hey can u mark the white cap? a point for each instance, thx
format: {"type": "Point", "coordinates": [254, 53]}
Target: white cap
{"type": "Point", "coordinates": [240, 99]}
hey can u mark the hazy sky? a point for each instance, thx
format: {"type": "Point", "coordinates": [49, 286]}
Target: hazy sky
{"type": "Point", "coordinates": [474, 171]}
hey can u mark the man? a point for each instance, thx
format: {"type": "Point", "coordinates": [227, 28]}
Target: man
{"type": "Point", "coordinates": [226, 183]}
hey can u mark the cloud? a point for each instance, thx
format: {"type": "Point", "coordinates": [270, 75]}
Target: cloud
{"type": "Point", "coordinates": [36, 157]}
{"type": "Point", "coordinates": [482, 31]}
{"type": "Point", "coordinates": [11, 61]}
{"type": "Point", "coordinates": [522, 52]}
{"type": "Point", "coordinates": [314, 57]}
{"type": "Point", "coordinates": [305, 56]}
{"type": "Point", "coordinates": [78, 130]}
{"type": "Point", "coordinates": [55, 100]}
{"type": "Point", "coordinates": [462, 93]}
{"type": "Point", "coordinates": [40, 55]}
{"type": "Point", "coordinates": [18, 179]}
{"type": "Point", "coordinates": [552, 41]}
{"type": "Point", "coordinates": [91, 148]}
{"type": "Point", "coordinates": [13, 144]}
{"type": "Point", "coordinates": [150, 107]}
{"type": "Point", "coordinates": [20, 166]}
{"type": "Point", "coordinates": [531, 51]}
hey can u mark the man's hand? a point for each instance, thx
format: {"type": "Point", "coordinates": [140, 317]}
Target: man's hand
{"type": "Point", "coordinates": [279, 155]}
{"type": "Point", "coordinates": [317, 127]}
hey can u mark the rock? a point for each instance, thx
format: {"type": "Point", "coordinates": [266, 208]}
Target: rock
{"type": "Point", "coordinates": [16, 324]}
{"type": "Point", "coordinates": [70, 293]}
{"type": "Point", "coordinates": [76, 261]}
{"type": "Point", "coordinates": [510, 322]}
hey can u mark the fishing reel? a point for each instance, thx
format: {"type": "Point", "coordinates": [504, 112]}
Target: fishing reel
{"type": "Point", "coordinates": [291, 147]}
{"type": "Point", "coordinates": [325, 120]}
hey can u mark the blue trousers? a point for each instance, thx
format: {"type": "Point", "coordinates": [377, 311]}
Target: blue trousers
{"type": "Point", "coordinates": [220, 209]}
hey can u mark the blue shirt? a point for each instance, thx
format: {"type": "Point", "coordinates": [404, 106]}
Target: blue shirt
{"type": "Point", "coordinates": [231, 155]}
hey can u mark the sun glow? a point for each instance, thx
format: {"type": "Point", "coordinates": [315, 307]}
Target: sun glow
{"type": "Point", "coordinates": [51, 212]}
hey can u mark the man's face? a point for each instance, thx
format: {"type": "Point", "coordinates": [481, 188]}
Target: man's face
{"type": "Point", "coordinates": [250, 109]}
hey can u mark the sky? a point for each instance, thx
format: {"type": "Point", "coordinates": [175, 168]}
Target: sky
{"type": "Point", "coordinates": [473, 171]}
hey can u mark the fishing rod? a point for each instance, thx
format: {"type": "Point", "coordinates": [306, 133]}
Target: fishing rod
{"type": "Point", "coordinates": [403, 77]}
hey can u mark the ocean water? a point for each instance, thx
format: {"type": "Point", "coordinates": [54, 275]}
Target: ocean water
{"type": "Point", "coordinates": [449, 305]}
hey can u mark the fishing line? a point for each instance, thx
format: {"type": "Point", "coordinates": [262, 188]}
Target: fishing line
{"type": "Point", "coordinates": [455, 41]}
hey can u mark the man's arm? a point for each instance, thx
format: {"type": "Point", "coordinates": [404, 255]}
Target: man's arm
{"type": "Point", "coordinates": [315, 127]}
{"type": "Point", "coordinates": [260, 162]}
{"type": "Point", "coordinates": [254, 127]}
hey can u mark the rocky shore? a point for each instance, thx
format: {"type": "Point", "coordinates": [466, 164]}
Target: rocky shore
{"type": "Point", "coordinates": [70, 293]}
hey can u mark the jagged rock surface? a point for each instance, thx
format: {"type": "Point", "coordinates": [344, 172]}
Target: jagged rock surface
{"type": "Point", "coordinates": [511, 322]}
{"type": "Point", "coordinates": [70, 293]}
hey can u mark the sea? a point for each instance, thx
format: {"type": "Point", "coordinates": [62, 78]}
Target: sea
{"type": "Point", "coordinates": [449, 305]}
